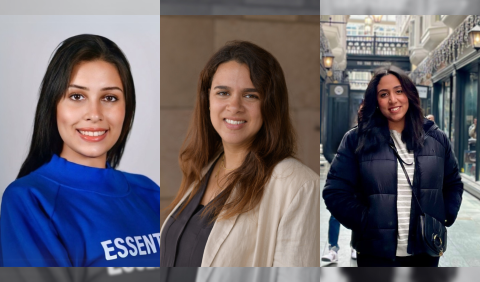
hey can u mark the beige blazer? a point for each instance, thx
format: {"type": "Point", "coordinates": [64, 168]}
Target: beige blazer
{"type": "Point", "coordinates": [282, 231]}
{"type": "Point", "coordinates": [258, 274]}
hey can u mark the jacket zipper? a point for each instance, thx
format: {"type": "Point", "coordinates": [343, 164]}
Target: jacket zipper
{"type": "Point", "coordinates": [396, 196]}
{"type": "Point", "coordinates": [414, 184]}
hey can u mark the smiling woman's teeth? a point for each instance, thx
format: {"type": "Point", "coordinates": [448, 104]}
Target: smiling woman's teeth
{"type": "Point", "coordinates": [234, 121]}
{"type": "Point", "coordinates": [92, 133]}
{"type": "Point", "coordinates": [394, 109]}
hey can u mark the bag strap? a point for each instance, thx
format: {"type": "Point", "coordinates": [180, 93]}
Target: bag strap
{"type": "Point", "coordinates": [401, 161]}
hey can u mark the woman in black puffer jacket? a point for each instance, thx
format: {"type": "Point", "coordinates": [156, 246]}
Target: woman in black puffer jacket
{"type": "Point", "coordinates": [367, 189]}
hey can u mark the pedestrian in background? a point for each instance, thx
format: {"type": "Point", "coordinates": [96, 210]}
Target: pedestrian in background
{"type": "Point", "coordinates": [472, 130]}
{"type": "Point", "coordinates": [334, 227]}
{"type": "Point", "coordinates": [368, 190]}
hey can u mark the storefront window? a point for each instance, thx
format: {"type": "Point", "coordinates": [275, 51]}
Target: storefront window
{"type": "Point", "coordinates": [469, 122]}
{"type": "Point", "coordinates": [355, 101]}
{"type": "Point", "coordinates": [446, 108]}
{"type": "Point", "coordinates": [323, 100]}
{"type": "Point", "coordinates": [440, 109]}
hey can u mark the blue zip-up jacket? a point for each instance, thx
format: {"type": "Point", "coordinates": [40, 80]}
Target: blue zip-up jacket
{"type": "Point", "coordinates": [65, 214]}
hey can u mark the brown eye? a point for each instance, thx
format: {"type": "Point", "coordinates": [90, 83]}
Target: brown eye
{"type": "Point", "coordinates": [110, 98]}
{"type": "Point", "coordinates": [251, 96]}
{"type": "Point", "coordinates": [76, 97]}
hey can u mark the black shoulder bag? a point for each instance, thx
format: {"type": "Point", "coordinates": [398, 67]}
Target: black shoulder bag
{"type": "Point", "coordinates": [432, 231]}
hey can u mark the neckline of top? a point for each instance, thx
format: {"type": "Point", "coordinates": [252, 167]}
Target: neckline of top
{"type": "Point", "coordinates": [107, 181]}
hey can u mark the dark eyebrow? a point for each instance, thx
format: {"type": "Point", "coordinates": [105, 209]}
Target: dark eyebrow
{"type": "Point", "coordinates": [103, 89]}
{"type": "Point", "coordinates": [222, 87]}
{"type": "Point", "coordinates": [228, 88]}
{"type": "Point", "coordinates": [398, 86]}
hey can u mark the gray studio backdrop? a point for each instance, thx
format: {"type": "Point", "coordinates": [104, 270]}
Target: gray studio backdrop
{"type": "Point", "coordinates": [84, 7]}
{"type": "Point", "coordinates": [26, 45]}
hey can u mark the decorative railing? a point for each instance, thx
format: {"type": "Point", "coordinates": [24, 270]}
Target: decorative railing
{"type": "Point", "coordinates": [447, 52]}
{"type": "Point", "coordinates": [358, 84]}
{"type": "Point", "coordinates": [377, 45]}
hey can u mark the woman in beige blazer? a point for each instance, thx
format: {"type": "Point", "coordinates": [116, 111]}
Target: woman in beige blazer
{"type": "Point", "coordinates": [244, 201]}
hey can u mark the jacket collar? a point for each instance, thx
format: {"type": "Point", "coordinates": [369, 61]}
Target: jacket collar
{"type": "Point", "coordinates": [105, 181]}
{"type": "Point", "coordinates": [220, 232]}
{"type": "Point", "coordinates": [428, 126]}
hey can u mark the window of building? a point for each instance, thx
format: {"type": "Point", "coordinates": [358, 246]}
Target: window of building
{"type": "Point", "coordinates": [412, 33]}
{"type": "Point", "coordinates": [325, 18]}
{"type": "Point", "coordinates": [446, 107]}
{"type": "Point", "coordinates": [391, 31]}
{"type": "Point", "coordinates": [355, 29]}
{"type": "Point", "coordinates": [440, 108]}
{"type": "Point", "coordinates": [420, 33]}
{"type": "Point", "coordinates": [469, 121]}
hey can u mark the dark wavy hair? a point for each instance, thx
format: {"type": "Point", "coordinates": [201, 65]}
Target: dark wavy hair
{"type": "Point", "coordinates": [274, 141]}
{"type": "Point", "coordinates": [46, 140]}
{"type": "Point", "coordinates": [373, 125]}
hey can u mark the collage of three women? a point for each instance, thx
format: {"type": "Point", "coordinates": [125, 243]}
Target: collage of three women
{"type": "Point", "coordinates": [235, 102]}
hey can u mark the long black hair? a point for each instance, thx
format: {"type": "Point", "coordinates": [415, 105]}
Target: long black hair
{"type": "Point", "coordinates": [373, 125]}
{"type": "Point", "coordinates": [46, 140]}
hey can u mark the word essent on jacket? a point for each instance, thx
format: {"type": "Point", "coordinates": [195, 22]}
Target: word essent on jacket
{"type": "Point", "coordinates": [133, 246]}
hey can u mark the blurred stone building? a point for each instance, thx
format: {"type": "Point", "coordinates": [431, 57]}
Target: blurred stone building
{"type": "Point", "coordinates": [239, 7]}
{"type": "Point", "coordinates": [398, 7]}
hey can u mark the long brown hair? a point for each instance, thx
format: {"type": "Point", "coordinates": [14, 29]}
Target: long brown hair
{"type": "Point", "coordinates": [274, 141]}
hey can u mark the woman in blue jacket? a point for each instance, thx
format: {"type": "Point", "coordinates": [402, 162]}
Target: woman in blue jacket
{"type": "Point", "coordinates": [368, 191]}
{"type": "Point", "coordinates": [69, 206]}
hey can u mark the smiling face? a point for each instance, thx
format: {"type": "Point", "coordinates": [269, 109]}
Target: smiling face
{"type": "Point", "coordinates": [392, 101]}
{"type": "Point", "coordinates": [90, 115]}
{"type": "Point", "coordinates": [235, 105]}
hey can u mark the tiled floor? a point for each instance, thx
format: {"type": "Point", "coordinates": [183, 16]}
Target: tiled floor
{"type": "Point", "coordinates": [463, 237]}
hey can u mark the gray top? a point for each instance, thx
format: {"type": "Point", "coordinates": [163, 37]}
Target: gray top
{"type": "Point", "coordinates": [185, 236]}
{"type": "Point", "coordinates": [404, 192]}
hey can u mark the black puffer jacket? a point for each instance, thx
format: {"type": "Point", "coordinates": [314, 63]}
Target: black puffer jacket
{"type": "Point", "coordinates": [361, 190]}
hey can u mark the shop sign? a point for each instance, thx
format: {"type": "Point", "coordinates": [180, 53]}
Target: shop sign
{"type": "Point", "coordinates": [369, 63]}
{"type": "Point", "coordinates": [422, 91]}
